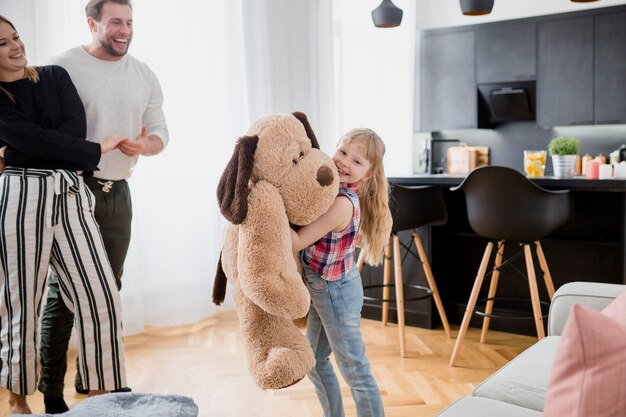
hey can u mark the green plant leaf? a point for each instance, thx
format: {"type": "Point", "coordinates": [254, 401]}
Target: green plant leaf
{"type": "Point", "coordinates": [564, 145]}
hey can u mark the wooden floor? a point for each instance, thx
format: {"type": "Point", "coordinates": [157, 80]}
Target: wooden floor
{"type": "Point", "coordinates": [206, 361]}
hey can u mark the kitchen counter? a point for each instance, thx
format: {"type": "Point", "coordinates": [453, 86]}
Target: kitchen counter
{"type": "Point", "coordinates": [591, 248]}
{"type": "Point", "coordinates": [550, 182]}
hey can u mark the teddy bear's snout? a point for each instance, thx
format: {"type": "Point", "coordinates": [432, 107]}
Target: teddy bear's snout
{"type": "Point", "coordinates": [325, 176]}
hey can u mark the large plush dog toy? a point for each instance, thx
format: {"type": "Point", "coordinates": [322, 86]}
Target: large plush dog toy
{"type": "Point", "coordinates": [276, 176]}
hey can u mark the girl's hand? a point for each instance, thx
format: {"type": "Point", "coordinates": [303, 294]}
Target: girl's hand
{"type": "Point", "coordinates": [2, 165]}
{"type": "Point", "coordinates": [110, 142]}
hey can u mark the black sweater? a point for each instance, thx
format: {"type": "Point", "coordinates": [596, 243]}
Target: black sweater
{"type": "Point", "coordinates": [45, 127]}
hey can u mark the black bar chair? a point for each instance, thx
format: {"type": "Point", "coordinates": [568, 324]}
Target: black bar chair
{"type": "Point", "coordinates": [505, 206]}
{"type": "Point", "coordinates": [411, 208]}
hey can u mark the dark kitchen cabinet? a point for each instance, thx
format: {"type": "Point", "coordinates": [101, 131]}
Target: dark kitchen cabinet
{"type": "Point", "coordinates": [506, 52]}
{"type": "Point", "coordinates": [610, 68]}
{"type": "Point", "coordinates": [448, 81]}
{"type": "Point", "coordinates": [565, 72]}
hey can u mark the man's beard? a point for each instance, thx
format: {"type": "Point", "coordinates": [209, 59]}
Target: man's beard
{"type": "Point", "coordinates": [108, 46]}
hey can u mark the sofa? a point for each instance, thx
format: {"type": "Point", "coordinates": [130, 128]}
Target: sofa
{"type": "Point", "coordinates": [520, 387]}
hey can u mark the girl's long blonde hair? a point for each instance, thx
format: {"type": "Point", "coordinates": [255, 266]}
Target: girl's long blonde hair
{"type": "Point", "coordinates": [29, 72]}
{"type": "Point", "coordinates": [375, 226]}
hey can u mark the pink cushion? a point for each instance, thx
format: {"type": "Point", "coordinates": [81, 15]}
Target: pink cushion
{"type": "Point", "coordinates": [588, 377]}
{"type": "Point", "coordinates": [617, 309]}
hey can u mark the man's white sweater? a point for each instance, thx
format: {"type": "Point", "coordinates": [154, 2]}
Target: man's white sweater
{"type": "Point", "coordinates": [119, 98]}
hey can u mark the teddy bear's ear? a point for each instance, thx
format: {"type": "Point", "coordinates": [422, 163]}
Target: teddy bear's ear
{"type": "Point", "coordinates": [233, 190]}
{"type": "Point", "coordinates": [307, 127]}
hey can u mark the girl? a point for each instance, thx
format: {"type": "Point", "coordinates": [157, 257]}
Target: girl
{"type": "Point", "coordinates": [46, 217]}
{"type": "Point", "coordinates": [328, 246]}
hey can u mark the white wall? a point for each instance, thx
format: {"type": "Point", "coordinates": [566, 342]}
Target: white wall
{"type": "Point", "coordinates": [375, 77]}
{"type": "Point", "coordinates": [444, 13]}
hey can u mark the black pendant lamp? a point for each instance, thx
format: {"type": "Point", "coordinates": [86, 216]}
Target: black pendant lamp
{"type": "Point", "coordinates": [387, 15]}
{"type": "Point", "coordinates": [476, 7]}
{"type": "Point", "coordinates": [582, 1]}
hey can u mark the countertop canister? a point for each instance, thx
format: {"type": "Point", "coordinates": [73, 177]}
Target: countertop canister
{"type": "Point", "coordinates": [586, 159]}
{"type": "Point", "coordinates": [593, 169]}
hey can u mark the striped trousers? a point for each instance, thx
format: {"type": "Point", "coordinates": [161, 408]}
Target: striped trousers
{"type": "Point", "coordinates": [46, 218]}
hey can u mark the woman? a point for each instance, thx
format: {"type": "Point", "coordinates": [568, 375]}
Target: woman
{"type": "Point", "coordinates": [46, 218]}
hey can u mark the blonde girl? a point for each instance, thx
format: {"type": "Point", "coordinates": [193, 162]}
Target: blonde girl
{"type": "Point", "coordinates": [360, 212]}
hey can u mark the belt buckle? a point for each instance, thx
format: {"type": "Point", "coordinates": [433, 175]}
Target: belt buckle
{"type": "Point", "coordinates": [106, 186]}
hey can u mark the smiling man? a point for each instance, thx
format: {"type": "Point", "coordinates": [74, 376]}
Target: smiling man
{"type": "Point", "coordinates": [121, 95]}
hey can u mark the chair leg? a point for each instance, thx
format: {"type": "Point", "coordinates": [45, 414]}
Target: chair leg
{"type": "Point", "coordinates": [534, 293]}
{"type": "Point", "coordinates": [546, 271]}
{"type": "Point", "coordinates": [492, 290]}
{"type": "Point", "coordinates": [386, 281]}
{"type": "Point", "coordinates": [360, 260]}
{"type": "Point", "coordinates": [431, 283]}
{"type": "Point", "coordinates": [469, 310]}
{"type": "Point", "coordinates": [399, 293]}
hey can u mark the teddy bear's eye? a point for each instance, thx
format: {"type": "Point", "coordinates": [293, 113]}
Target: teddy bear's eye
{"type": "Point", "coordinates": [295, 161]}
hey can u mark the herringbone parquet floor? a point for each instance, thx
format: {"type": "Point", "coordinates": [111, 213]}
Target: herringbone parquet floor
{"type": "Point", "coordinates": [206, 361]}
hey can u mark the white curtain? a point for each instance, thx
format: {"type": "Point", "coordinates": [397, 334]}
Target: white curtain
{"type": "Point", "coordinates": [289, 51]}
{"type": "Point", "coordinates": [221, 64]}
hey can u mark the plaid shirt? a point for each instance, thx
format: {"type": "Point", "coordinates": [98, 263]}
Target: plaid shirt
{"type": "Point", "coordinates": [333, 254]}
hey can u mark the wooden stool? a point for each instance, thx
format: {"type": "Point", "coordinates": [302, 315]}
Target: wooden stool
{"type": "Point", "coordinates": [411, 207]}
{"type": "Point", "coordinates": [505, 206]}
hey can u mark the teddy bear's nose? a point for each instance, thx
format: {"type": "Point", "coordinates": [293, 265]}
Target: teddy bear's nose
{"type": "Point", "coordinates": [325, 176]}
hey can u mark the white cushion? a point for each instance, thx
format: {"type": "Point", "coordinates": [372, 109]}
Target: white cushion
{"type": "Point", "coordinates": [524, 380]}
{"type": "Point", "coordinates": [484, 407]}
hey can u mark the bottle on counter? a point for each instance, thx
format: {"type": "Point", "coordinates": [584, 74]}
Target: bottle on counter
{"type": "Point", "coordinates": [578, 166]}
{"type": "Point", "coordinates": [601, 158]}
{"type": "Point", "coordinates": [586, 159]}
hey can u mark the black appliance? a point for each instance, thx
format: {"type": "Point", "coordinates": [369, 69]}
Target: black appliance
{"type": "Point", "coordinates": [622, 153]}
{"type": "Point", "coordinates": [438, 154]}
{"type": "Point", "coordinates": [506, 102]}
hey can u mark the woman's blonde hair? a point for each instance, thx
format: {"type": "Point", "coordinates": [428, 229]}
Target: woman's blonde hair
{"type": "Point", "coordinates": [29, 72]}
{"type": "Point", "coordinates": [375, 226]}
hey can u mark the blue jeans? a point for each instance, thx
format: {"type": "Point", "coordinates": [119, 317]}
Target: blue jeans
{"type": "Point", "coordinates": [334, 325]}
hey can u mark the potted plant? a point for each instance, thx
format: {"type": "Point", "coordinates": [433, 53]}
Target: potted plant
{"type": "Point", "coordinates": [563, 150]}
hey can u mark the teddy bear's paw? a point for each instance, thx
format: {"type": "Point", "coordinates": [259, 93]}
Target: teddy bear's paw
{"type": "Point", "coordinates": [285, 367]}
{"type": "Point", "coordinates": [284, 295]}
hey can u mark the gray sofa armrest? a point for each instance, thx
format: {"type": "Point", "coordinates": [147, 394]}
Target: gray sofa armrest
{"type": "Point", "coordinates": [596, 295]}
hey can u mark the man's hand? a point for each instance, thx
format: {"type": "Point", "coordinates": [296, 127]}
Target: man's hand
{"type": "Point", "coordinates": [135, 147]}
{"type": "Point", "coordinates": [2, 165]}
{"type": "Point", "coordinates": [111, 142]}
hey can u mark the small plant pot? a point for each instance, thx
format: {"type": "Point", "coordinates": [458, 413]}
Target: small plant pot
{"type": "Point", "coordinates": [563, 165]}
